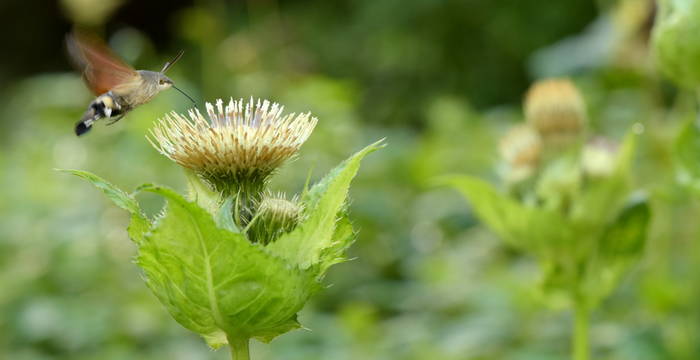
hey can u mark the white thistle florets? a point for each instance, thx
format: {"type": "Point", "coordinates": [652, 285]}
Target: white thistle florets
{"type": "Point", "coordinates": [239, 144]}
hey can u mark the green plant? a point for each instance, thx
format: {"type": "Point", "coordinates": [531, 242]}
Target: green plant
{"type": "Point", "coordinates": [675, 45]}
{"type": "Point", "coordinates": [573, 209]}
{"type": "Point", "coordinates": [228, 261]}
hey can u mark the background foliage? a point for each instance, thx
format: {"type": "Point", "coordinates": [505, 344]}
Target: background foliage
{"type": "Point", "coordinates": [441, 79]}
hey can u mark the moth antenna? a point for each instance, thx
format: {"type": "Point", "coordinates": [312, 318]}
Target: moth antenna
{"type": "Point", "coordinates": [183, 93]}
{"type": "Point", "coordinates": [172, 62]}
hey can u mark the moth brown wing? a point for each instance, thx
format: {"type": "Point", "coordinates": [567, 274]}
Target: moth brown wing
{"type": "Point", "coordinates": [101, 68]}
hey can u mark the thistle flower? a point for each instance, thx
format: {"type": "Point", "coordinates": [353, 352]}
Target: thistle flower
{"type": "Point", "coordinates": [199, 259]}
{"type": "Point", "coordinates": [555, 108]}
{"type": "Point", "coordinates": [238, 148]}
{"type": "Point", "coordinates": [520, 148]}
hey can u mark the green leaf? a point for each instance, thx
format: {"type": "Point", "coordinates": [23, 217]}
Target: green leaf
{"type": "Point", "coordinates": [224, 216]}
{"type": "Point", "coordinates": [687, 150]}
{"type": "Point", "coordinates": [200, 192]}
{"type": "Point", "coordinates": [139, 224]}
{"type": "Point", "coordinates": [620, 245]}
{"type": "Point", "coordinates": [308, 243]}
{"type": "Point", "coordinates": [343, 237]}
{"type": "Point", "coordinates": [118, 197]}
{"type": "Point", "coordinates": [675, 47]}
{"type": "Point", "coordinates": [626, 236]}
{"type": "Point", "coordinates": [542, 232]}
{"type": "Point", "coordinates": [214, 281]}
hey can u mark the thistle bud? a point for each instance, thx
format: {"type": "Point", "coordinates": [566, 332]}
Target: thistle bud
{"type": "Point", "coordinates": [520, 149]}
{"type": "Point", "coordinates": [555, 108]}
{"type": "Point", "coordinates": [276, 215]}
{"type": "Point", "coordinates": [676, 48]}
{"type": "Point", "coordinates": [598, 157]}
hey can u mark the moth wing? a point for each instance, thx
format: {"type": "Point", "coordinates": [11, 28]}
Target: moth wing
{"type": "Point", "coordinates": [101, 68]}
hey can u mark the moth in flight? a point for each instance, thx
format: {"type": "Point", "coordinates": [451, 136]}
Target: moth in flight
{"type": "Point", "coordinates": [119, 88]}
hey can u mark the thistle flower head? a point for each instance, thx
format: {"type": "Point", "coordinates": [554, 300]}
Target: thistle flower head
{"type": "Point", "coordinates": [556, 109]}
{"type": "Point", "coordinates": [521, 149]}
{"type": "Point", "coordinates": [240, 144]}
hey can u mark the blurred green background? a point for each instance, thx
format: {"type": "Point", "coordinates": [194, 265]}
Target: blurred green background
{"type": "Point", "coordinates": [441, 79]}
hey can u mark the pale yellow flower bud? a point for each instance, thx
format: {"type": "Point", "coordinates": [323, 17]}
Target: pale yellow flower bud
{"type": "Point", "coordinates": [556, 109]}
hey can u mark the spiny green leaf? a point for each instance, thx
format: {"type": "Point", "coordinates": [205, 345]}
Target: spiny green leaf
{"type": "Point", "coordinates": [343, 237]}
{"type": "Point", "coordinates": [305, 245]}
{"type": "Point", "coordinates": [139, 224]}
{"type": "Point", "coordinates": [118, 197]}
{"type": "Point", "coordinates": [214, 281]}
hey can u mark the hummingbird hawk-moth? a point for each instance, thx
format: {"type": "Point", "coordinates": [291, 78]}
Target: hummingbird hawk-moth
{"type": "Point", "coordinates": [119, 87]}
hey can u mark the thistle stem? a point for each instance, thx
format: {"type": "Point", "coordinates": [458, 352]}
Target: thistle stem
{"type": "Point", "coordinates": [580, 340]}
{"type": "Point", "coordinates": [239, 348]}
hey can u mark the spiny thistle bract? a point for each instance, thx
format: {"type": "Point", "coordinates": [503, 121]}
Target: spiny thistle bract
{"type": "Point", "coordinates": [226, 282]}
{"type": "Point", "coordinates": [275, 216]}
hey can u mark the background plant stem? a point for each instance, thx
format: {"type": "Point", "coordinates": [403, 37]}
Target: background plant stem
{"type": "Point", "coordinates": [581, 329]}
{"type": "Point", "coordinates": [239, 348]}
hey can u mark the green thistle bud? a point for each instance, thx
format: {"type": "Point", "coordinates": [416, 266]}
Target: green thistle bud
{"type": "Point", "coordinates": [276, 216]}
{"type": "Point", "coordinates": [555, 108]}
{"type": "Point", "coordinates": [675, 44]}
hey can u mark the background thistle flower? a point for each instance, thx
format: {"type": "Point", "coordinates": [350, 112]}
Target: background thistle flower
{"type": "Point", "coordinates": [520, 149]}
{"type": "Point", "coordinates": [584, 235]}
{"type": "Point", "coordinates": [555, 108]}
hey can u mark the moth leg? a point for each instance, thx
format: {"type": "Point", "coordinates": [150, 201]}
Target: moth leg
{"type": "Point", "coordinates": [113, 120]}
